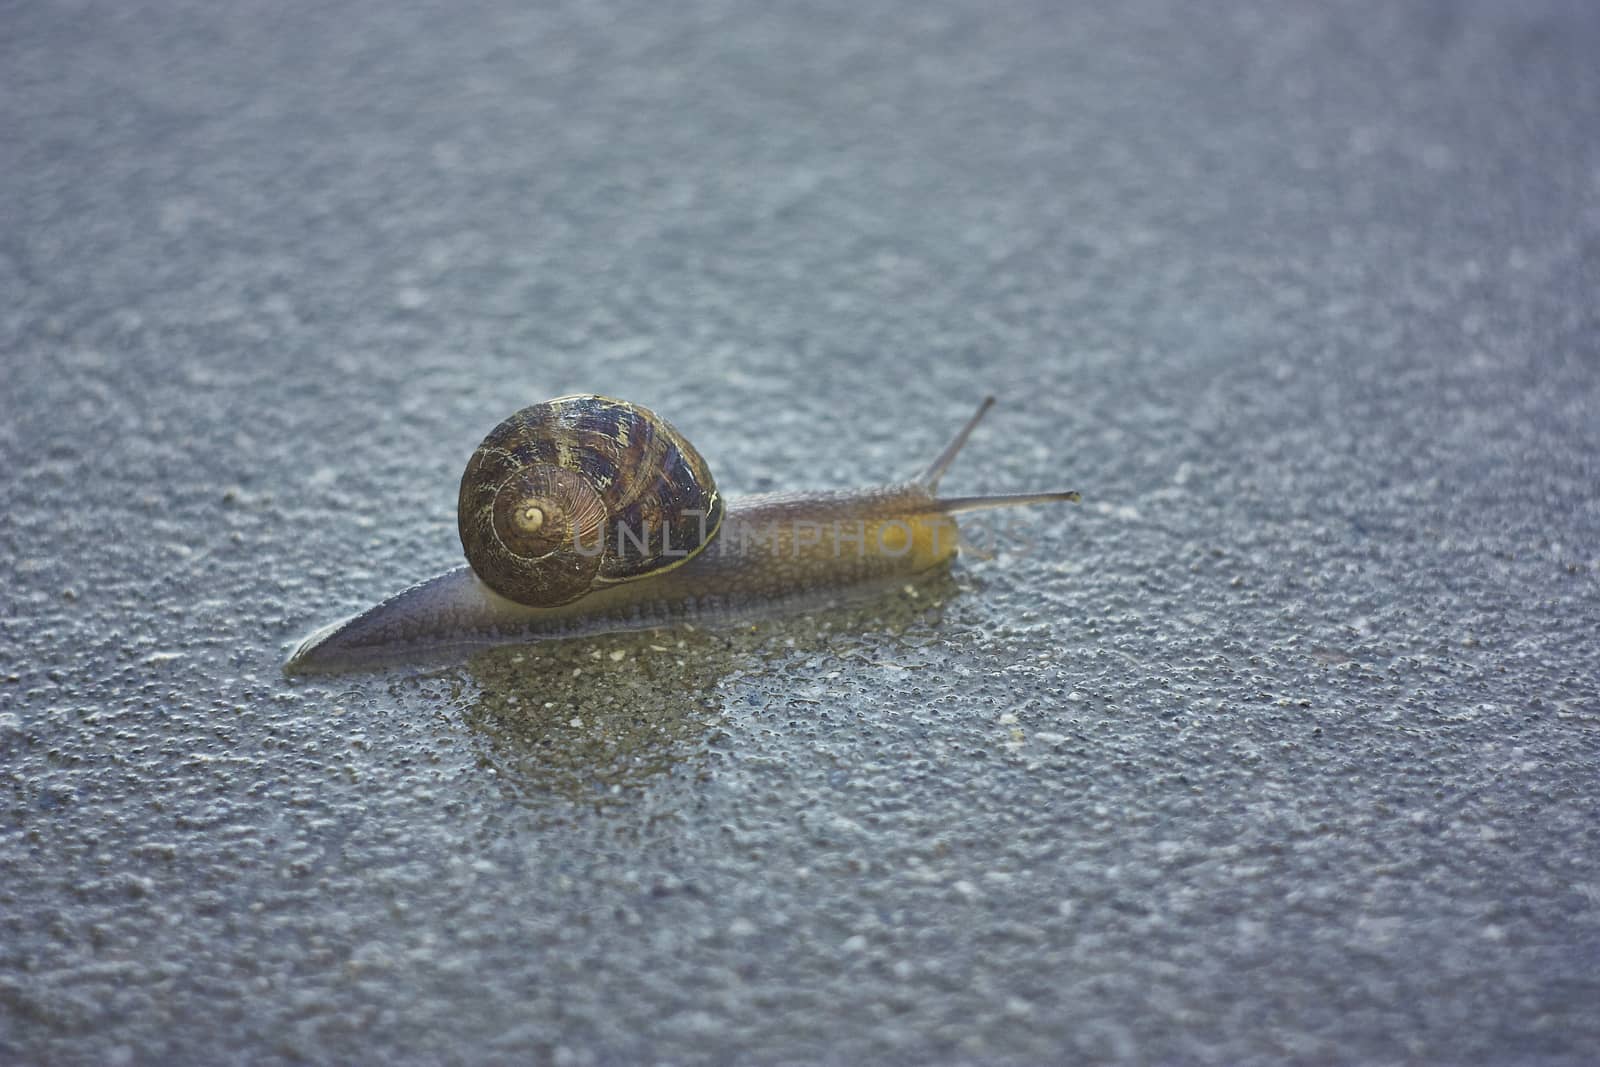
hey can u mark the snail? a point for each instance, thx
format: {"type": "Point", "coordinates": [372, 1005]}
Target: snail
{"type": "Point", "coordinates": [586, 514]}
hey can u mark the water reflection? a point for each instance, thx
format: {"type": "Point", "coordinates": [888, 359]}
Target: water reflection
{"type": "Point", "coordinates": [596, 721]}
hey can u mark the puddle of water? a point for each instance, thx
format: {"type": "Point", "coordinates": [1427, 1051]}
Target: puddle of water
{"type": "Point", "coordinates": [595, 721]}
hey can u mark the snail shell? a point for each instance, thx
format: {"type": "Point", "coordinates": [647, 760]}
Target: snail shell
{"type": "Point", "coordinates": [581, 492]}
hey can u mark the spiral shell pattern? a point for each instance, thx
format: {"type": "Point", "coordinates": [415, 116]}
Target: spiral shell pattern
{"type": "Point", "coordinates": [583, 491]}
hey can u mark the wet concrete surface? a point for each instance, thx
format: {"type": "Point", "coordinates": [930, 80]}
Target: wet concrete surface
{"type": "Point", "coordinates": [1282, 746]}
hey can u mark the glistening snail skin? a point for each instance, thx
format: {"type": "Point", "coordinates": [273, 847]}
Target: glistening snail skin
{"type": "Point", "coordinates": [760, 555]}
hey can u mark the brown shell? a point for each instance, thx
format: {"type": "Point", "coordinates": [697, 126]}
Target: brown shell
{"type": "Point", "coordinates": [582, 491]}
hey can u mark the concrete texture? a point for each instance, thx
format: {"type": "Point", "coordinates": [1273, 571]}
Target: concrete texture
{"type": "Point", "coordinates": [1282, 746]}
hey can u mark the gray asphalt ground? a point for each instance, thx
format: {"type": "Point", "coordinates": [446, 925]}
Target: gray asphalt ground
{"type": "Point", "coordinates": [1281, 747]}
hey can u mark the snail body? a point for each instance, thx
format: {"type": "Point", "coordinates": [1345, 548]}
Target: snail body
{"type": "Point", "coordinates": [669, 550]}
